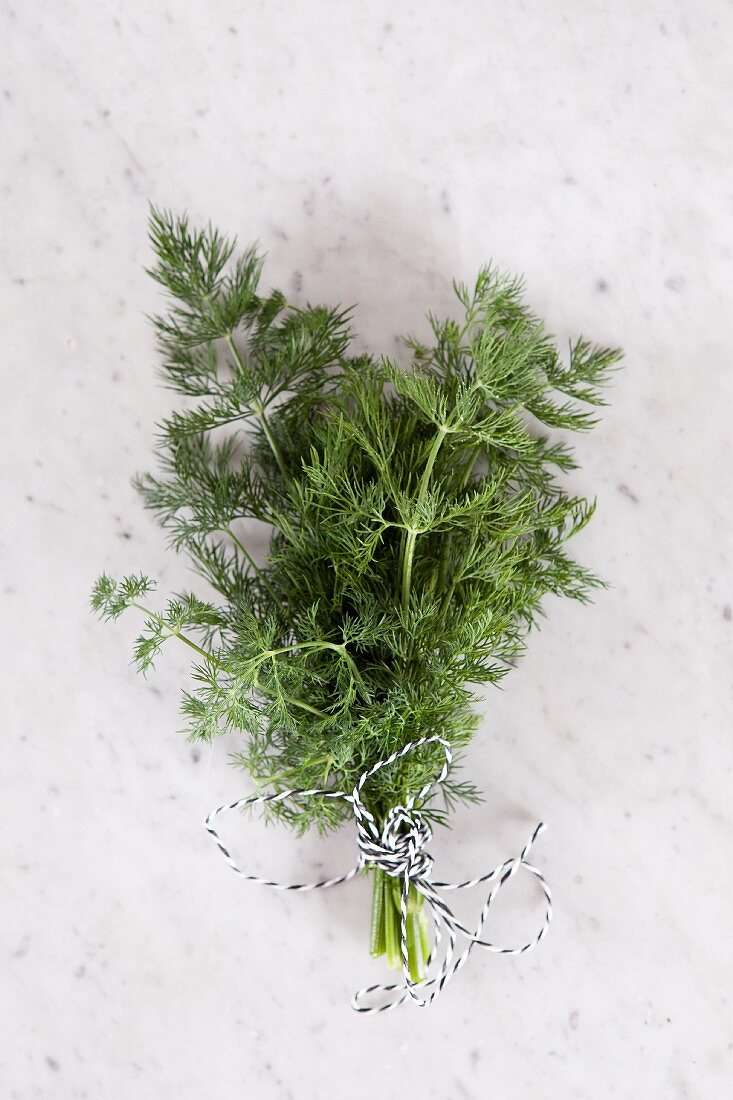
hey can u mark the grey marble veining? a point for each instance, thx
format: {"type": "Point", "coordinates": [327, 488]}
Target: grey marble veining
{"type": "Point", "coordinates": [376, 151]}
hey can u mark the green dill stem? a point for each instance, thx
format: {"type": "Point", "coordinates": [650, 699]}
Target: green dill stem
{"type": "Point", "coordinates": [407, 559]}
{"type": "Point", "coordinates": [320, 644]}
{"type": "Point", "coordinates": [392, 930]}
{"type": "Point", "coordinates": [424, 945]}
{"type": "Point", "coordinates": [306, 706]}
{"type": "Point", "coordinates": [258, 572]}
{"type": "Point", "coordinates": [445, 552]}
{"type": "Point", "coordinates": [255, 569]}
{"type": "Point", "coordinates": [285, 773]}
{"type": "Point", "coordinates": [177, 634]}
{"type": "Point", "coordinates": [412, 533]}
{"type": "Point", "coordinates": [413, 942]}
{"type": "Point", "coordinates": [261, 575]}
{"type": "Point", "coordinates": [340, 649]}
{"type": "Point", "coordinates": [259, 410]}
{"type": "Point", "coordinates": [376, 939]}
{"type": "Point", "coordinates": [210, 657]}
{"type": "Point", "coordinates": [417, 951]}
{"type": "Point", "coordinates": [457, 576]}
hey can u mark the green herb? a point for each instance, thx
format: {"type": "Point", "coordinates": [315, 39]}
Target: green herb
{"type": "Point", "coordinates": [416, 515]}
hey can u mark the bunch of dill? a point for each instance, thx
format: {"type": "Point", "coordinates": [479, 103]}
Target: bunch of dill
{"type": "Point", "coordinates": [416, 516]}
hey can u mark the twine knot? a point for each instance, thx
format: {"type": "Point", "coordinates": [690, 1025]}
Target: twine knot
{"type": "Point", "coordinates": [400, 849]}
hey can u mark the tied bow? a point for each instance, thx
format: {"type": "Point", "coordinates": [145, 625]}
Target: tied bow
{"type": "Point", "coordinates": [400, 851]}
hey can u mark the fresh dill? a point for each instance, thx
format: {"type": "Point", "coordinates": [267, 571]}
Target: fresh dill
{"type": "Point", "coordinates": [417, 520]}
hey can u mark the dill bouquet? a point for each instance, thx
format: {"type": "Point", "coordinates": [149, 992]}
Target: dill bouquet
{"type": "Point", "coordinates": [416, 524]}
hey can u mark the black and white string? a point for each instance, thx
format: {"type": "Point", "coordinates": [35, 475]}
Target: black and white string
{"type": "Point", "coordinates": [399, 849]}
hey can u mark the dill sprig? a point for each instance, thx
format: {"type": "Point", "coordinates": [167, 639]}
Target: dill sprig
{"type": "Point", "coordinates": [417, 519]}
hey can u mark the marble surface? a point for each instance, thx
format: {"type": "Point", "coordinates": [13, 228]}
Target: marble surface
{"type": "Point", "coordinates": [375, 150]}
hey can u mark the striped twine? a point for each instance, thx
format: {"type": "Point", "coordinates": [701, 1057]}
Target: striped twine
{"type": "Point", "coordinates": [400, 850]}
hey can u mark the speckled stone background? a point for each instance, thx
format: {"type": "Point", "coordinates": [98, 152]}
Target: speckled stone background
{"type": "Point", "coordinates": [376, 151]}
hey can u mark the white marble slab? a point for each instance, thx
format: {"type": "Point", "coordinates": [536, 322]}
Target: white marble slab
{"type": "Point", "coordinates": [376, 150]}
